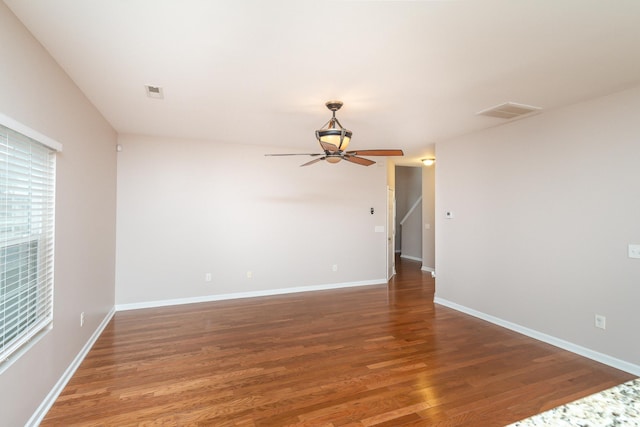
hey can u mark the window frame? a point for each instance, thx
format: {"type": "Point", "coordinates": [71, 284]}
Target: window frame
{"type": "Point", "coordinates": [28, 299]}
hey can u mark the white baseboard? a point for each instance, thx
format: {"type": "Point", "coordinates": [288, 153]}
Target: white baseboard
{"type": "Point", "coordinates": [50, 399]}
{"type": "Point", "coordinates": [557, 342]}
{"type": "Point", "coordinates": [429, 269]}
{"type": "Point", "coordinates": [412, 258]}
{"type": "Point", "coordinates": [238, 295]}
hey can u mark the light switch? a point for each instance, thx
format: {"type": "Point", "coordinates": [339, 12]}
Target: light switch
{"type": "Point", "coordinates": [634, 251]}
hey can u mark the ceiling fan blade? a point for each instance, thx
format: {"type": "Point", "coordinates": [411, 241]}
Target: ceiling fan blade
{"type": "Point", "coordinates": [313, 161]}
{"type": "Point", "coordinates": [327, 146]}
{"type": "Point", "coordinates": [358, 160]}
{"type": "Point", "coordinates": [296, 154]}
{"type": "Point", "coordinates": [376, 152]}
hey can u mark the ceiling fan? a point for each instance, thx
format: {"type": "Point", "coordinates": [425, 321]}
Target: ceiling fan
{"type": "Point", "coordinates": [334, 139]}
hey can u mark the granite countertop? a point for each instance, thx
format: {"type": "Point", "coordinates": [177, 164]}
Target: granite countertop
{"type": "Point", "coordinates": [617, 406]}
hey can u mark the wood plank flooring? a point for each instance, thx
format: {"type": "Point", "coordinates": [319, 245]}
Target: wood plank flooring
{"type": "Point", "coordinates": [367, 356]}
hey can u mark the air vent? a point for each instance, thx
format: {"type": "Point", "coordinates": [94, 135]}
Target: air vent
{"type": "Point", "coordinates": [508, 110]}
{"type": "Point", "coordinates": [154, 92]}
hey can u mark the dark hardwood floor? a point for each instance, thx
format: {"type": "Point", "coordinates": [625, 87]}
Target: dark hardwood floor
{"type": "Point", "coordinates": [367, 356]}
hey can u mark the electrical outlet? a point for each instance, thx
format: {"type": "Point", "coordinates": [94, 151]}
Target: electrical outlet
{"type": "Point", "coordinates": [249, 274]}
{"type": "Point", "coordinates": [82, 319]}
{"type": "Point", "coordinates": [601, 321]}
{"type": "Point", "coordinates": [207, 277]}
{"type": "Point", "coordinates": [634, 251]}
{"type": "Point", "coordinates": [335, 267]}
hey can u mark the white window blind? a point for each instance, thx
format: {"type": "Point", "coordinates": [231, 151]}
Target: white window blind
{"type": "Point", "coordinates": [27, 195]}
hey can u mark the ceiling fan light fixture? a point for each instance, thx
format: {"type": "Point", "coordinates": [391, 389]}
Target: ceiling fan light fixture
{"type": "Point", "coordinates": [333, 132]}
{"type": "Point", "coordinates": [334, 139]}
{"type": "Point", "coordinates": [338, 137]}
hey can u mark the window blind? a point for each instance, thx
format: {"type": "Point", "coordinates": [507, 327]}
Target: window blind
{"type": "Point", "coordinates": [27, 196]}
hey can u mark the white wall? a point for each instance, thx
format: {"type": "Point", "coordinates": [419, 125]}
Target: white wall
{"type": "Point", "coordinates": [412, 235]}
{"type": "Point", "coordinates": [187, 207]}
{"type": "Point", "coordinates": [544, 210]}
{"type": "Point", "coordinates": [428, 217]}
{"type": "Point", "coordinates": [36, 92]}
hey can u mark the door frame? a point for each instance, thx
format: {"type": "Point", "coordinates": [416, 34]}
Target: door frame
{"type": "Point", "coordinates": [391, 232]}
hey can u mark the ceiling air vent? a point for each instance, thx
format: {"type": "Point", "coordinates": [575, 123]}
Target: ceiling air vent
{"type": "Point", "coordinates": [508, 110]}
{"type": "Point", "coordinates": [154, 92]}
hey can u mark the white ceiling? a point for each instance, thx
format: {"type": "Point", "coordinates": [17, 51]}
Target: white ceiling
{"type": "Point", "coordinates": [411, 73]}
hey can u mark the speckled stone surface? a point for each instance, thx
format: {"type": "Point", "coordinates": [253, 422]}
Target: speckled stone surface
{"type": "Point", "coordinates": [617, 406]}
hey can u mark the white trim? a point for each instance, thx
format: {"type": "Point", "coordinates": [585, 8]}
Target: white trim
{"type": "Point", "coordinates": [50, 399]}
{"type": "Point", "coordinates": [557, 342]}
{"type": "Point", "coordinates": [27, 131]}
{"type": "Point", "coordinates": [252, 294]}
{"type": "Point", "coordinates": [429, 269]}
{"type": "Point", "coordinates": [412, 258]}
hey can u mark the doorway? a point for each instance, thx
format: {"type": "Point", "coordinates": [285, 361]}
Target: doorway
{"type": "Point", "coordinates": [391, 232]}
{"type": "Point", "coordinates": [409, 212]}
{"type": "Point", "coordinates": [414, 210]}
